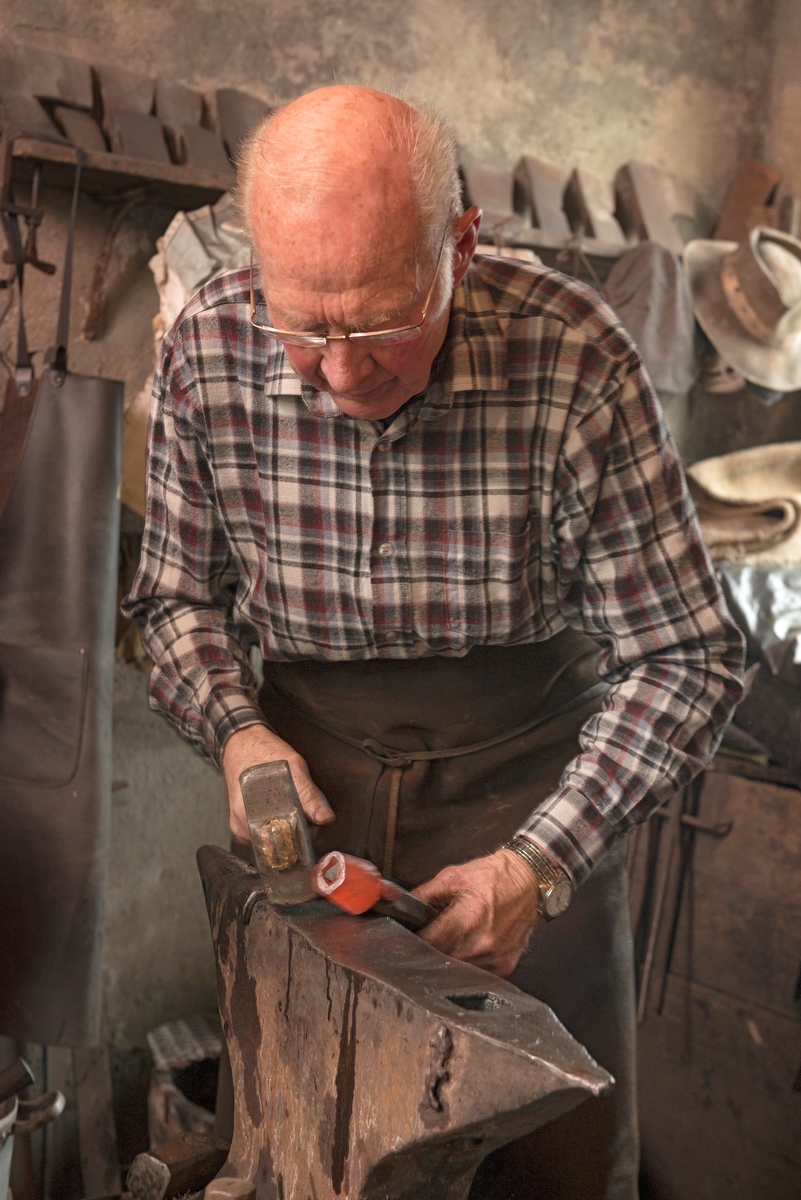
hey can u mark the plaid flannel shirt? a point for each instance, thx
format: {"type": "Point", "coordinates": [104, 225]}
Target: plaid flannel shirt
{"type": "Point", "coordinates": [533, 485]}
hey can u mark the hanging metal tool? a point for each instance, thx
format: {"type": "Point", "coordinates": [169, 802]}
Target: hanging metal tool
{"type": "Point", "coordinates": [32, 215]}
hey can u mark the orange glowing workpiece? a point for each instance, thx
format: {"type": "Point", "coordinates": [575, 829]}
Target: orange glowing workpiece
{"type": "Point", "coordinates": [353, 884]}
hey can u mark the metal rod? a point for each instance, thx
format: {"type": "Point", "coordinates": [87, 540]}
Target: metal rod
{"type": "Point", "coordinates": [653, 934]}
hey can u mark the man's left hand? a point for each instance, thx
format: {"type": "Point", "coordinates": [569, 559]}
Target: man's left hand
{"type": "Point", "coordinates": [489, 910]}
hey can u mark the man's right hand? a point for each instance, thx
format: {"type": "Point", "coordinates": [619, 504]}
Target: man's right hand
{"type": "Point", "coordinates": [256, 744]}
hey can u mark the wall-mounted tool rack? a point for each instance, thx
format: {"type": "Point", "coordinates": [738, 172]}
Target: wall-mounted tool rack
{"type": "Point", "coordinates": [107, 175]}
{"type": "Point", "coordinates": [541, 239]}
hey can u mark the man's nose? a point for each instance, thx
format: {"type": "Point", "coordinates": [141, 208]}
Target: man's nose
{"type": "Point", "coordinates": [345, 365]}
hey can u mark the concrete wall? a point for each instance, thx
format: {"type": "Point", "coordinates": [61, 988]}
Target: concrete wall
{"type": "Point", "coordinates": [678, 83]}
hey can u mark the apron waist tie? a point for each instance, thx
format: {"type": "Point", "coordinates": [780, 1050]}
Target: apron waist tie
{"type": "Point", "coordinates": [398, 760]}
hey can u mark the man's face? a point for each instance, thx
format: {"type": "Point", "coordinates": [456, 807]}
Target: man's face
{"type": "Point", "coordinates": [369, 287]}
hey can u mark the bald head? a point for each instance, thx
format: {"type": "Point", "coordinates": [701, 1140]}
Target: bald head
{"type": "Point", "coordinates": [374, 167]}
{"type": "Point", "coordinates": [352, 201]}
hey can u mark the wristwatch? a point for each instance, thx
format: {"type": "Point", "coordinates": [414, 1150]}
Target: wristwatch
{"type": "Point", "coordinates": [556, 890]}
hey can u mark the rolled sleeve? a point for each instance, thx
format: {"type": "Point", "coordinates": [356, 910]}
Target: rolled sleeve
{"type": "Point", "coordinates": [635, 575]}
{"type": "Point", "coordinates": [183, 595]}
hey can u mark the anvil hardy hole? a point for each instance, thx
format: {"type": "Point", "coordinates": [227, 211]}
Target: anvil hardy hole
{"type": "Point", "coordinates": [479, 1001]}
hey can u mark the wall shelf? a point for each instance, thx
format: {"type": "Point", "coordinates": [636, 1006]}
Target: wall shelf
{"type": "Point", "coordinates": [108, 176]}
{"type": "Point", "coordinates": [539, 239]}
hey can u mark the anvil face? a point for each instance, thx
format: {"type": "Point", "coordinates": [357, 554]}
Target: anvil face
{"type": "Point", "coordinates": [366, 1064]}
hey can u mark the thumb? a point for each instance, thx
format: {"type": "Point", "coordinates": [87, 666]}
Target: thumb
{"type": "Point", "coordinates": [439, 891]}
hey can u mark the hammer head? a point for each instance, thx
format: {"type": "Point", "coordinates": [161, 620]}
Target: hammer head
{"type": "Point", "coordinates": [281, 842]}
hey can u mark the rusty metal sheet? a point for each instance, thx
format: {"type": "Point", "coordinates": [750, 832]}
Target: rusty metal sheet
{"type": "Point", "coordinates": [492, 191]}
{"type": "Point", "coordinates": [365, 1063]}
{"type": "Point", "coordinates": [589, 203]}
{"type": "Point", "coordinates": [124, 89]}
{"type": "Point", "coordinates": [653, 204]}
{"type": "Point", "coordinates": [201, 148]}
{"type": "Point", "coordinates": [35, 71]}
{"type": "Point", "coordinates": [538, 189]}
{"type": "Point", "coordinates": [237, 113]}
{"type": "Point", "coordinates": [753, 187]}
{"type": "Point", "coordinates": [24, 114]}
{"type": "Point", "coordinates": [81, 128]}
{"type": "Point", "coordinates": [137, 135]}
{"type": "Point", "coordinates": [177, 104]}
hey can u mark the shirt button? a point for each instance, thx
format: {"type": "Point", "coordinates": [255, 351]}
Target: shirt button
{"type": "Point", "coordinates": [393, 635]}
{"type": "Point", "coordinates": [386, 550]}
{"type": "Point", "coordinates": [384, 446]}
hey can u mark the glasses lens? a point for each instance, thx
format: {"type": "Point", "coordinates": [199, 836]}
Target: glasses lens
{"type": "Point", "coordinates": [390, 337]}
{"type": "Point", "coordinates": [292, 339]}
{"type": "Point", "coordinates": [379, 337]}
{"type": "Point", "coordinates": [299, 339]}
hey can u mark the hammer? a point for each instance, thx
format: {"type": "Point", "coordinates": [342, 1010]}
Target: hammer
{"type": "Point", "coordinates": [284, 855]}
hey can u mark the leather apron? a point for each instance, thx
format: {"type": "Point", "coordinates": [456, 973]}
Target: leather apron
{"type": "Point", "coordinates": [434, 761]}
{"type": "Point", "coordinates": [59, 545]}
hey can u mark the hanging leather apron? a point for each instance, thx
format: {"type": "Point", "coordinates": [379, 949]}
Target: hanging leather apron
{"type": "Point", "coordinates": [434, 761]}
{"type": "Point", "coordinates": [58, 565]}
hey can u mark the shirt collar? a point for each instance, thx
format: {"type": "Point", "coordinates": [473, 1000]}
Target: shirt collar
{"type": "Point", "coordinates": [475, 339]}
{"type": "Point", "coordinates": [472, 359]}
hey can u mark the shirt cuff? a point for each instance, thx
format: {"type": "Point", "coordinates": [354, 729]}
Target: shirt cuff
{"type": "Point", "coordinates": [227, 710]}
{"type": "Point", "coordinates": [571, 831]}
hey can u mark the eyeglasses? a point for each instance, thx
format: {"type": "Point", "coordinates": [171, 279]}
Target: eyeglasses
{"type": "Point", "coordinates": [376, 337]}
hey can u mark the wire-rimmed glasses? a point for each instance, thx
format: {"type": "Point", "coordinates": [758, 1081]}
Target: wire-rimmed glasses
{"type": "Point", "coordinates": [380, 337]}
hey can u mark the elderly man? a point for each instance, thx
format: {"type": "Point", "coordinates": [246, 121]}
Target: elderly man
{"type": "Point", "coordinates": [439, 495]}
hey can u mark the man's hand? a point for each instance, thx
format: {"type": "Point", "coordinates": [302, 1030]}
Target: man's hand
{"type": "Point", "coordinates": [256, 744]}
{"type": "Point", "coordinates": [489, 910]}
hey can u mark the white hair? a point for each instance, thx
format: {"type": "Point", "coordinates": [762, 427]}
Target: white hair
{"type": "Point", "coordinates": [414, 129]}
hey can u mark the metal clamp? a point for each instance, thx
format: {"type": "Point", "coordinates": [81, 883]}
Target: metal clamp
{"type": "Point", "coordinates": [23, 380]}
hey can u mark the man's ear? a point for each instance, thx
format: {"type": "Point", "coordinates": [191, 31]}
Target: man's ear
{"type": "Point", "coordinates": [467, 239]}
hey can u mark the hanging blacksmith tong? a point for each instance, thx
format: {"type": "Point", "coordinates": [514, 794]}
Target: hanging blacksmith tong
{"type": "Point", "coordinates": [32, 215]}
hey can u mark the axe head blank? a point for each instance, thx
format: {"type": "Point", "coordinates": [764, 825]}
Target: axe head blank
{"type": "Point", "coordinates": [281, 842]}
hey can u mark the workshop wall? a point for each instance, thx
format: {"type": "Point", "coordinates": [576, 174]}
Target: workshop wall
{"type": "Point", "coordinates": [677, 83]}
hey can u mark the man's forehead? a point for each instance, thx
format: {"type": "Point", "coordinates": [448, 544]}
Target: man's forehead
{"type": "Point", "coordinates": [311, 291]}
{"type": "Point", "coordinates": [340, 247]}
{"type": "Point", "coordinates": [350, 188]}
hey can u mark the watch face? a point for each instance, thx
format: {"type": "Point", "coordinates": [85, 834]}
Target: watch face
{"type": "Point", "coordinates": [558, 898]}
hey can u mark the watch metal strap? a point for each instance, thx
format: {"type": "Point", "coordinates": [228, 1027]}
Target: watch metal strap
{"type": "Point", "coordinates": [547, 872]}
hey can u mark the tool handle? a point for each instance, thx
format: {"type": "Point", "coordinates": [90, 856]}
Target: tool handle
{"type": "Point", "coordinates": [15, 1078]}
{"type": "Point", "coordinates": [406, 909]}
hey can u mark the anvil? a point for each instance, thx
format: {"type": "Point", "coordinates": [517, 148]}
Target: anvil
{"type": "Point", "coordinates": [367, 1065]}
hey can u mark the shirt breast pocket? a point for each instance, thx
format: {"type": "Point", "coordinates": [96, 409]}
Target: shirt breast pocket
{"type": "Point", "coordinates": [487, 577]}
{"type": "Point", "coordinates": [489, 549]}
